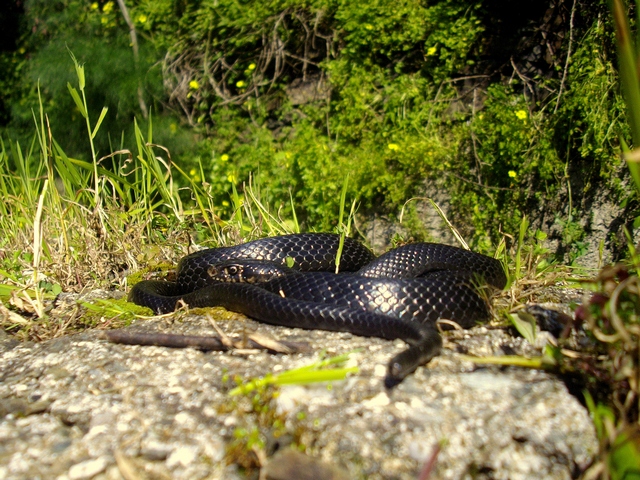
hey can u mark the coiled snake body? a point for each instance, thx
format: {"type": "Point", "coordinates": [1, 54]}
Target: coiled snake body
{"type": "Point", "coordinates": [397, 295]}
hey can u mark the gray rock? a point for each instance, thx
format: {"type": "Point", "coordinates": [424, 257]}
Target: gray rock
{"type": "Point", "coordinates": [79, 407]}
{"type": "Point", "coordinates": [290, 464]}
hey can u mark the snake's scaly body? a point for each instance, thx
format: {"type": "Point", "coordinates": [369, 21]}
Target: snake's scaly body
{"type": "Point", "coordinates": [397, 295]}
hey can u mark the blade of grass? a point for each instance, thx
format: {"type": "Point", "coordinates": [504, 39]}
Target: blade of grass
{"type": "Point", "coordinates": [442, 215]}
{"type": "Point", "coordinates": [296, 225]}
{"type": "Point", "coordinates": [316, 372]}
{"type": "Point", "coordinates": [82, 106]}
{"type": "Point", "coordinates": [99, 122]}
{"type": "Point", "coordinates": [629, 77]}
{"type": "Point", "coordinates": [342, 229]}
{"type": "Point", "coordinates": [37, 248]}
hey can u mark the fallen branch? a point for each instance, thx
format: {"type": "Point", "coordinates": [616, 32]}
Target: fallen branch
{"type": "Point", "coordinates": [204, 343]}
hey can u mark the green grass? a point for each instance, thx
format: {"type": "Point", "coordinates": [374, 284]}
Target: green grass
{"type": "Point", "coordinates": [72, 225]}
{"type": "Point", "coordinates": [326, 370]}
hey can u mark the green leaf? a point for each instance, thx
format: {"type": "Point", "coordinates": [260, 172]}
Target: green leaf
{"type": "Point", "coordinates": [316, 372]}
{"type": "Point", "coordinates": [102, 114]}
{"type": "Point", "coordinates": [76, 98]}
{"type": "Point", "coordinates": [624, 461]}
{"type": "Point", "coordinates": [526, 324]}
{"type": "Point", "coordinates": [598, 414]}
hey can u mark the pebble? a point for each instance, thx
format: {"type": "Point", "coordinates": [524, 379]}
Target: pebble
{"type": "Point", "coordinates": [87, 469]}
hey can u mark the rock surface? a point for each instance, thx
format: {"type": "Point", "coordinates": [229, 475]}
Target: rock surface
{"type": "Point", "coordinates": [79, 407]}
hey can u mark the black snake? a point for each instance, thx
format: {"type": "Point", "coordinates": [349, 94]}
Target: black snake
{"type": "Point", "coordinates": [397, 295]}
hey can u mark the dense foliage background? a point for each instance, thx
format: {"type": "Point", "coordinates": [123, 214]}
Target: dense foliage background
{"type": "Point", "coordinates": [511, 108]}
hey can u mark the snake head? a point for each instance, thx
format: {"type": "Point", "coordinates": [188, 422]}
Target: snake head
{"type": "Point", "coordinates": [229, 273]}
{"type": "Point", "coordinates": [246, 271]}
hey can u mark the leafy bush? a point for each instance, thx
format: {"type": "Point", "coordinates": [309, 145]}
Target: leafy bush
{"type": "Point", "coordinates": [395, 94]}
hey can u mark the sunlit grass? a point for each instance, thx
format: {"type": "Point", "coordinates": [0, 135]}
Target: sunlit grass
{"type": "Point", "coordinates": [71, 225]}
{"type": "Point", "coordinates": [326, 370]}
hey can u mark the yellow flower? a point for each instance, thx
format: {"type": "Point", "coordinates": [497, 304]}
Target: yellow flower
{"type": "Point", "coordinates": [225, 203]}
{"type": "Point", "coordinates": [231, 178]}
{"type": "Point", "coordinates": [108, 7]}
{"type": "Point", "coordinates": [142, 18]}
{"type": "Point", "coordinates": [431, 51]}
{"type": "Point", "coordinates": [94, 6]}
{"type": "Point", "coordinates": [512, 174]}
{"type": "Point", "coordinates": [368, 26]}
{"type": "Point", "coordinates": [194, 85]}
{"type": "Point", "coordinates": [252, 66]}
{"type": "Point", "coordinates": [224, 157]}
{"type": "Point", "coordinates": [194, 174]}
{"type": "Point", "coordinates": [521, 114]}
{"type": "Point", "coordinates": [394, 147]}
{"type": "Point", "coordinates": [241, 84]}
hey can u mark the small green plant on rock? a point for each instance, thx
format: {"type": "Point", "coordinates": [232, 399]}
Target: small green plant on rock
{"type": "Point", "coordinates": [612, 317]}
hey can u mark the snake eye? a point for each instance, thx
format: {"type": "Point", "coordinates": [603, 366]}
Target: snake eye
{"type": "Point", "coordinates": [232, 270]}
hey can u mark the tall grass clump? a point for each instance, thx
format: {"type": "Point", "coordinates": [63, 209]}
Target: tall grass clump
{"type": "Point", "coordinates": [70, 225]}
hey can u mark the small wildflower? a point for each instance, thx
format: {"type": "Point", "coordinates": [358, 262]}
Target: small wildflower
{"type": "Point", "coordinates": [224, 157]}
{"type": "Point", "coordinates": [108, 7]}
{"type": "Point", "coordinates": [225, 203]}
{"type": "Point", "coordinates": [142, 18]}
{"type": "Point", "coordinates": [95, 6]}
{"type": "Point", "coordinates": [241, 83]}
{"type": "Point", "coordinates": [252, 66]}
{"type": "Point", "coordinates": [521, 114]}
{"type": "Point", "coordinates": [194, 85]}
{"type": "Point", "coordinates": [104, 20]}
{"type": "Point", "coordinates": [368, 26]}
{"type": "Point", "coordinates": [231, 178]}
{"type": "Point", "coordinates": [431, 51]}
{"type": "Point", "coordinates": [394, 147]}
{"type": "Point", "coordinates": [192, 172]}
{"type": "Point", "coordinates": [512, 174]}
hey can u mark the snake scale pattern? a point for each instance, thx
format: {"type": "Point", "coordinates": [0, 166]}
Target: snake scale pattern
{"type": "Point", "coordinates": [399, 294]}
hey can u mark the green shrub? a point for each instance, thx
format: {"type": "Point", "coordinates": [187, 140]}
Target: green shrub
{"type": "Point", "coordinates": [395, 109]}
